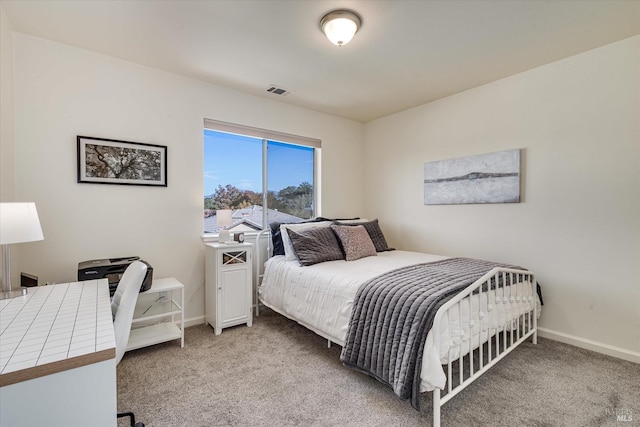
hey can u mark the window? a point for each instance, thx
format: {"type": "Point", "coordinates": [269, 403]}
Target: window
{"type": "Point", "coordinates": [262, 176]}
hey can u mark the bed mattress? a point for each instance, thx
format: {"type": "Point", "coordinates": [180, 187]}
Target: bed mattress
{"type": "Point", "coordinates": [321, 296]}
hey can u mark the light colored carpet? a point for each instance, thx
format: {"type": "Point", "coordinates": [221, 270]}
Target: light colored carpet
{"type": "Point", "coordinates": [278, 373]}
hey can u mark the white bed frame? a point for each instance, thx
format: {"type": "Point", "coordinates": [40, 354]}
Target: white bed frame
{"type": "Point", "coordinates": [500, 343]}
{"type": "Point", "coordinates": [502, 339]}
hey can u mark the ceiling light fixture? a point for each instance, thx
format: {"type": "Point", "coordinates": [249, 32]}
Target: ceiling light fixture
{"type": "Point", "coordinates": [340, 26]}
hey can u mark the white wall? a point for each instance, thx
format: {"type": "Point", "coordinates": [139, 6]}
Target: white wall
{"type": "Point", "coordinates": [61, 92]}
{"type": "Point", "coordinates": [578, 226]}
{"type": "Point", "coordinates": [6, 112]}
{"type": "Point", "coordinates": [7, 156]}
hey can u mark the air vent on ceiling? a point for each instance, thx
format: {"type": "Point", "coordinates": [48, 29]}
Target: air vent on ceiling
{"type": "Point", "coordinates": [277, 90]}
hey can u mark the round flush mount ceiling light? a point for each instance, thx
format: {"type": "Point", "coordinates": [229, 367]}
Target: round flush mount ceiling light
{"type": "Point", "coordinates": [340, 26]}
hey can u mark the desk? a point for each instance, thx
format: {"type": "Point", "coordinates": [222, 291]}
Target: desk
{"type": "Point", "coordinates": [57, 357]}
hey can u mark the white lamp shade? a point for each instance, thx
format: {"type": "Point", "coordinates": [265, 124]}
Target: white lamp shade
{"type": "Point", "coordinates": [223, 218]}
{"type": "Point", "coordinates": [340, 26]}
{"type": "Point", "coordinates": [19, 223]}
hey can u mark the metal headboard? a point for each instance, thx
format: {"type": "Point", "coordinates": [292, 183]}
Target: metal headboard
{"type": "Point", "coordinates": [261, 250]}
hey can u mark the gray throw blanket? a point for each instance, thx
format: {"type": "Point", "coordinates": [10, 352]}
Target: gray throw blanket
{"type": "Point", "coordinates": [392, 315]}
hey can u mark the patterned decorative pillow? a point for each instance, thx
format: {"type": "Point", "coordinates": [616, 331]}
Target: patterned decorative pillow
{"type": "Point", "coordinates": [355, 241]}
{"type": "Point", "coordinates": [315, 245]}
{"type": "Point", "coordinates": [373, 228]}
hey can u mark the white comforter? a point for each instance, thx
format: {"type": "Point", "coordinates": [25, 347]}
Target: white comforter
{"type": "Point", "coordinates": [321, 296]}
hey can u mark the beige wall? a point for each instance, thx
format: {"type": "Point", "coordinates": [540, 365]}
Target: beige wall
{"type": "Point", "coordinates": [7, 157]}
{"type": "Point", "coordinates": [6, 111]}
{"type": "Point", "coordinates": [61, 92]}
{"type": "Point", "coordinates": [578, 226]}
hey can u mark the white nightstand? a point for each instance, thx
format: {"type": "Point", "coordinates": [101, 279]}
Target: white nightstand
{"type": "Point", "coordinates": [228, 287]}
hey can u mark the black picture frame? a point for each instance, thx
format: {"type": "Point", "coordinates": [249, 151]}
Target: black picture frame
{"type": "Point", "coordinates": [111, 161]}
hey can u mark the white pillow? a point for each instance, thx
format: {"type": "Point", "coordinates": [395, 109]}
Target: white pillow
{"type": "Point", "coordinates": [289, 251]}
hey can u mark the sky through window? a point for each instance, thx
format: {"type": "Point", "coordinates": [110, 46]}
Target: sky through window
{"type": "Point", "coordinates": [237, 160]}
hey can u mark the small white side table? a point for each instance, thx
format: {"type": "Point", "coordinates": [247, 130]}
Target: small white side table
{"type": "Point", "coordinates": [159, 314]}
{"type": "Point", "coordinates": [228, 287]}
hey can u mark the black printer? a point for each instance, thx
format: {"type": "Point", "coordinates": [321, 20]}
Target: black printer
{"type": "Point", "coordinates": [112, 269]}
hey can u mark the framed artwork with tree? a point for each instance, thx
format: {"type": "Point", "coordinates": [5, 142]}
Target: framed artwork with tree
{"type": "Point", "coordinates": [110, 161]}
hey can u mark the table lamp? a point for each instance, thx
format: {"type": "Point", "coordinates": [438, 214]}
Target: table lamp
{"type": "Point", "coordinates": [19, 223]}
{"type": "Point", "coordinates": [224, 219]}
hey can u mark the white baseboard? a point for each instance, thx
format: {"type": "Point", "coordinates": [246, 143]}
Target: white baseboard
{"type": "Point", "coordinates": [598, 347]}
{"type": "Point", "coordinates": [194, 321]}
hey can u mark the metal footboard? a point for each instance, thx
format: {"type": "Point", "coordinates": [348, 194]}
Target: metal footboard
{"type": "Point", "coordinates": [501, 336]}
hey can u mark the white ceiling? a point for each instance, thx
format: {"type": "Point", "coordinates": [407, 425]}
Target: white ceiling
{"type": "Point", "coordinates": [406, 53]}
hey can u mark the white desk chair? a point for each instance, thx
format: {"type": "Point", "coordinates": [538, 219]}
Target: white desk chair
{"type": "Point", "coordinates": [122, 306]}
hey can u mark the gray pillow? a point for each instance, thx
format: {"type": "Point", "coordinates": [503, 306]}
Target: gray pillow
{"type": "Point", "coordinates": [315, 245]}
{"type": "Point", "coordinates": [355, 241]}
{"type": "Point", "coordinates": [375, 233]}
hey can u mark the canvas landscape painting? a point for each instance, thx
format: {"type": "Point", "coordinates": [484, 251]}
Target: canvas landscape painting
{"type": "Point", "coordinates": [485, 178]}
